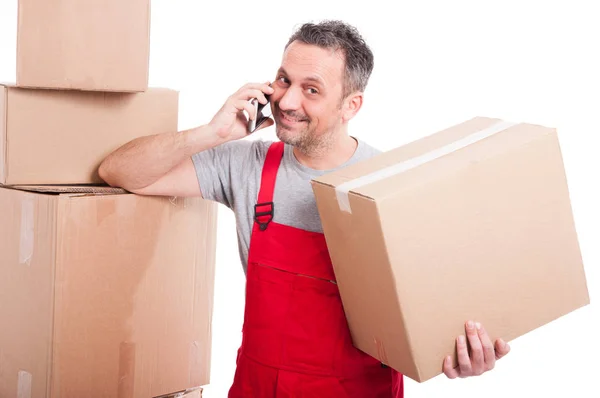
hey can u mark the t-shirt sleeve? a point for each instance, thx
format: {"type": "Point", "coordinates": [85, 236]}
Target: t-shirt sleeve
{"type": "Point", "coordinates": [222, 170]}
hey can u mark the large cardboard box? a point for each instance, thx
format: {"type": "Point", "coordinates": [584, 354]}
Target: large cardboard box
{"type": "Point", "coordinates": [100, 45]}
{"type": "Point", "coordinates": [104, 295]}
{"type": "Point", "coordinates": [62, 136]}
{"type": "Point", "coordinates": [471, 223]}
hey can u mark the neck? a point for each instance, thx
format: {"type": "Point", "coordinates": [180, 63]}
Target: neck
{"type": "Point", "coordinates": [331, 154]}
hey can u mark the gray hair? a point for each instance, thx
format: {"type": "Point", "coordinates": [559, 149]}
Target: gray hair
{"type": "Point", "coordinates": [337, 35]}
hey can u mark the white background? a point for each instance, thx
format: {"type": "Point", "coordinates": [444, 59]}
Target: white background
{"type": "Point", "coordinates": [436, 64]}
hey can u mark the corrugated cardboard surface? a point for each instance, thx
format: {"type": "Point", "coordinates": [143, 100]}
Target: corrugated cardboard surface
{"type": "Point", "coordinates": [100, 45]}
{"type": "Point", "coordinates": [484, 233]}
{"type": "Point", "coordinates": [61, 137]}
{"type": "Point", "coordinates": [105, 295]}
{"type": "Point", "coordinates": [82, 189]}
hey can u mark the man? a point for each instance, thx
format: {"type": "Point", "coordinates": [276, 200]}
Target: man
{"type": "Point", "coordinates": [295, 336]}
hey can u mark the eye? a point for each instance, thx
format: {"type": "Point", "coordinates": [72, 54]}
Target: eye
{"type": "Point", "coordinates": [312, 90]}
{"type": "Point", "coordinates": [283, 80]}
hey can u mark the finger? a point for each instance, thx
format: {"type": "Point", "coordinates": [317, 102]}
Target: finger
{"type": "Point", "coordinates": [253, 93]}
{"type": "Point", "coordinates": [449, 371]}
{"type": "Point", "coordinates": [256, 90]}
{"type": "Point", "coordinates": [502, 348]}
{"type": "Point", "coordinates": [256, 86]}
{"type": "Point", "coordinates": [464, 362]}
{"type": "Point", "coordinates": [243, 105]}
{"type": "Point", "coordinates": [477, 362]}
{"type": "Point", "coordinates": [489, 355]}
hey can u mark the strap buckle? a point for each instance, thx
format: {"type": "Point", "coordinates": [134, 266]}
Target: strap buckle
{"type": "Point", "coordinates": [268, 214]}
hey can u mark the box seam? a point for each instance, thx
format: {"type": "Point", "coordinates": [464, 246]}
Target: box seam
{"type": "Point", "coordinates": [56, 211]}
{"type": "Point", "coordinates": [4, 138]}
{"type": "Point", "coordinates": [551, 132]}
{"type": "Point", "coordinates": [18, 41]}
{"type": "Point", "coordinates": [209, 260]}
{"type": "Point", "coordinates": [367, 184]}
{"type": "Point", "coordinates": [148, 46]}
{"type": "Point", "coordinates": [350, 192]}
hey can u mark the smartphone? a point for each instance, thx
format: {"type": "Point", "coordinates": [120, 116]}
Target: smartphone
{"type": "Point", "coordinates": [263, 112]}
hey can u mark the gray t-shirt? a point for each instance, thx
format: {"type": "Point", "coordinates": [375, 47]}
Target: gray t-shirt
{"type": "Point", "coordinates": [231, 173]}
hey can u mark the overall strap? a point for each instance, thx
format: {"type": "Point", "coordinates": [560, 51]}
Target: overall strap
{"type": "Point", "coordinates": [263, 209]}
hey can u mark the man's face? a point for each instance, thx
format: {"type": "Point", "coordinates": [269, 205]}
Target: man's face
{"type": "Point", "coordinates": [307, 98]}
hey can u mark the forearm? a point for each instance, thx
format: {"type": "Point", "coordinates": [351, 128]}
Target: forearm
{"type": "Point", "coordinates": [144, 160]}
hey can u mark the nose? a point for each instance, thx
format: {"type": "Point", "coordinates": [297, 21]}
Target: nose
{"type": "Point", "coordinates": [291, 100]}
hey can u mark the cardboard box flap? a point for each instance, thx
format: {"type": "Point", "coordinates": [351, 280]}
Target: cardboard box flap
{"type": "Point", "coordinates": [68, 189]}
{"type": "Point", "coordinates": [405, 152]}
{"type": "Point", "coordinates": [397, 167]}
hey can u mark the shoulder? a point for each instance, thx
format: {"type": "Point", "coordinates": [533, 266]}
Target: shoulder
{"type": "Point", "coordinates": [244, 146]}
{"type": "Point", "coordinates": [239, 151]}
{"type": "Point", "coordinates": [365, 151]}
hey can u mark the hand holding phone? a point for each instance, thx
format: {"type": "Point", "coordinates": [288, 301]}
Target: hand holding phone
{"type": "Point", "coordinates": [263, 112]}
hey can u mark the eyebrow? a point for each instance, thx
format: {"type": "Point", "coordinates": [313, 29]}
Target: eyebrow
{"type": "Point", "coordinates": [313, 78]}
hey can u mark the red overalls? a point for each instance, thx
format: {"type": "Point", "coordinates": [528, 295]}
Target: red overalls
{"type": "Point", "coordinates": [296, 341]}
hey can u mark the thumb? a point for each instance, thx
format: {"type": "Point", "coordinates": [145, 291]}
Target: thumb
{"type": "Point", "coordinates": [502, 348]}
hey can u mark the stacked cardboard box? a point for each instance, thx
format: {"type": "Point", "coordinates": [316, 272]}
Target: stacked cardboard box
{"type": "Point", "coordinates": [102, 293]}
{"type": "Point", "coordinates": [471, 223]}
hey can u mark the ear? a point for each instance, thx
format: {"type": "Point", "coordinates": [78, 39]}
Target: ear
{"type": "Point", "coordinates": [351, 106]}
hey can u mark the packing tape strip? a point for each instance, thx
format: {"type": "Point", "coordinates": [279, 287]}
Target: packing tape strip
{"type": "Point", "coordinates": [381, 354]}
{"type": "Point", "coordinates": [197, 357]}
{"type": "Point", "coordinates": [126, 370]}
{"type": "Point", "coordinates": [24, 384]}
{"type": "Point", "coordinates": [344, 189]}
{"type": "Point", "coordinates": [26, 242]}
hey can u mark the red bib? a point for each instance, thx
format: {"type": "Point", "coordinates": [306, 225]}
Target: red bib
{"type": "Point", "coordinates": [296, 341]}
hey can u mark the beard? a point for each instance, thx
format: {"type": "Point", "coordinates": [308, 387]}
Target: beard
{"type": "Point", "coordinates": [303, 139]}
{"type": "Point", "coordinates": [304, 136]}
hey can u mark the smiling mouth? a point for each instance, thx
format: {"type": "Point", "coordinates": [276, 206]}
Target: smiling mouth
{"type": "Point", "coordinates": [289, 120]}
